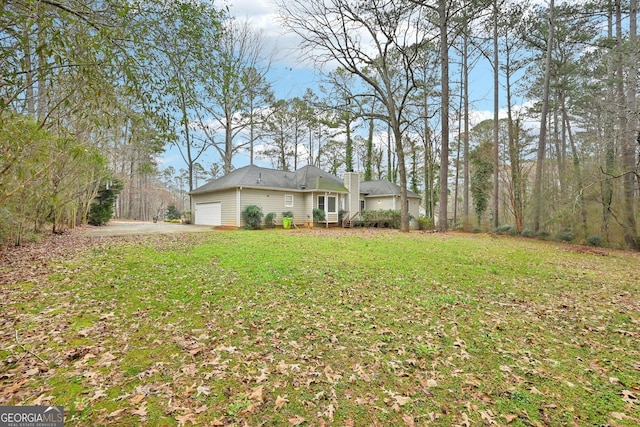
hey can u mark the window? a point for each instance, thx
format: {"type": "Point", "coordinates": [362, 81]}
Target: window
{"type": "Point", "coordinates": [331, 204]}
{"type": "Point", "coordinates": [328, 204]}
{"type": "Point", "coordinates": [288, 200]}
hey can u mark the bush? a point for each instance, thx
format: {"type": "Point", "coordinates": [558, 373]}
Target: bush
{"type": "Point", "coordinates": [318, 215]}
{"type": "Point", "coordinates": [595, 240]}
{"type": "Point", "coordinates": [252, 215]}
{"type": "Point", "coordinates": [527, 232]}
{"type": "Point", "coordinates": [425, 223]}
{"type": "Point", "coordinates": [172, 213]}
{"type": "Point", "coordinates": [380, 218]}
{"type": "Point", "coordinates": [542, 234]}
{"type": "Point", "coordinates": [287, 214]}
{"type": "Point", "coordinates": [101, 209]}
{"type": "Point", "coordinates": [566, 235]}
{"type": "Point", "coordinates": [507, 229]}
{"type": "Point", "coordinates": [270, 220]}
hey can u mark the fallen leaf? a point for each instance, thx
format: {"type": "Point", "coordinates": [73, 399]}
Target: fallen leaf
{"type": "Point", "coordinates": [629, 397]}
{"type": "Point", "coordinates": [402, 400]}
{"type": "Point", "coordinates": [408, 420]}
{"type": "Point", "coordinates": [431, 383]}
{"type": "Point", "coordinates": [534, 390]}
{"type": "Point", "coordinates": [256, 393]}
{"type": "Point", "coordinates": [510, 418]}
{"type": "Point", "coordinates": [32, 372]}
{"type": "Point", "coordinates": [97, 395]}
{"type": "Point", "coordinates": [136, 399]}
{"type": "Point", "coordinates": [106, 359]}
{"type": "Point", "coordinates": [280, 401]}
{"type": "Point", "coordinates": [296, 420]}
{"type": "Point", "coordinates": [141, 411]}
{"type": "Point", "coordinates": [183, 419]}
{"type": "Point", "coordinates": [115, 413]}
{"type": "Point", "coordinates": [41, 399]}
{"type": "Point", "coordinates": [203, 389]}
{"type": "Point", "coordinates": [329, 412]}
{"type": "Point", "coordinates": [488, 416]}
{"type": "Point", "coordinates": [363, 375]}
{"type": "Point", "coordinates": [618, 415]}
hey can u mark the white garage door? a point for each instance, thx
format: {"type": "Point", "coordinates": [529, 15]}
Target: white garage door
{"type": "Point", "coordinates": [209, 213]}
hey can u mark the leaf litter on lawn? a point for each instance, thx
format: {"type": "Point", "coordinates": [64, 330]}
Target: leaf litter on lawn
{"type": "Point", "coordinates": [315, 327]}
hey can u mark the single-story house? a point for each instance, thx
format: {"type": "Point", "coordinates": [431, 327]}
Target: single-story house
{"type": "Point", "coordinates": [221, 201]}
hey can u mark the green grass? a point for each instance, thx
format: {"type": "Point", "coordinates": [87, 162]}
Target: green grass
{"type": "Point", "coordinates": [358, 327]}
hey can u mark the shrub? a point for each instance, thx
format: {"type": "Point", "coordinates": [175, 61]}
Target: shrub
{"type": "Point", "coordinates": [101, 209]}
{"type": "Point", "coordinates": [595, 240]}
{"type": "Point", "coordinates": [425, 223]}
{"type": "Point", "coordinates": [172, 213]}
{"type": "Point", "coordinates": [566, 235]}
{"type": "Point", "coordinates": [542, 234]}
{"type": "Point", "coordinates": [381, 218]}
{"type": "Point", "coordinates": [318, 215]}
{"type": "Point", "coordinates": [507, 229]}
{"type": "Point", "coordinates": [252, 215]}
{"type": "Point", "coordinates": [475, 230]}
{"type": "Point", "coordinates": [287, 214]}
{"type": "Point", "coordinates": [527, 232]}
{"type": "Point", "coordinates": [270, 220]}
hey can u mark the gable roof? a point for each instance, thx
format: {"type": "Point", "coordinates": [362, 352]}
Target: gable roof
{"type": "Point", "coordinates": [383, 188]}
{"type": "Point", "coordinates": [307, 178]}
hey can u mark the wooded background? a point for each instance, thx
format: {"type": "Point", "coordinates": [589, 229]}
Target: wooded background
{"type": "Point", "coordinates": [93, 92]}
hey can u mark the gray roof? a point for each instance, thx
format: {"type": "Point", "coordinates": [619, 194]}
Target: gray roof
{"type": "Point", "coordinates": [307, 178]}
{"type": "Point", "coordinates": [383, 188]}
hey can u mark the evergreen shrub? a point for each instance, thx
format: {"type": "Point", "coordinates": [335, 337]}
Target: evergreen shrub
{"type": "Point", "coordinates": [252, 215]}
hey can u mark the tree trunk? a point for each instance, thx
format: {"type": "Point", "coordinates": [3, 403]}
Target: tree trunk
{"type": "Point", "coordinates": [538, 197]}
{"type": "Point", "coordinates": [465, 157]}
{"type": "Point", "coordinates": [609, 156]}
{"type": "Point", "coordinates": [577, 171]}
{"type": "Point", "coordinates": [444, 150]}
{"type": "Point", "coordinates": [627, 132]}
{"type": "Point", "coordinates": [496, 123]}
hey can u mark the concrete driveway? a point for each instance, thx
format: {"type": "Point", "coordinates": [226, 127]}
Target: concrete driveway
{"type": "Point", "coordinates": [139, 228]}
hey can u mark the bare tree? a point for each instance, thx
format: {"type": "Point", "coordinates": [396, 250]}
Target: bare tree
{"type": "Point", "coordinates": [237, 85]}
{"type": "Point", "coordinates": [378, 41]}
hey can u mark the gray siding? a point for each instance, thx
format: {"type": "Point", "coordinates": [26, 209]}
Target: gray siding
{"type": "Point", "coordinates": [274, 201]}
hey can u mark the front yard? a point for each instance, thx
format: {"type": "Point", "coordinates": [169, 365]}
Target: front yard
{"type": "Point", "coordinates": [308, 327]}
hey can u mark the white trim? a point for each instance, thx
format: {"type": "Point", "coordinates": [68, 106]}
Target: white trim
{"type": "Point", "coordinates": [238, 216]}
{"type": "Point", "coordinates": [290, 204]}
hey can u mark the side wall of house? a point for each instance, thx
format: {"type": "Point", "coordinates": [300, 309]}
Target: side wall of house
{"type": "Point", "coordinates": [227, 199]}
{"type": "Point", "coordinates": [276, 201]}
{"type": "Point", "coordinates": [382, 203]}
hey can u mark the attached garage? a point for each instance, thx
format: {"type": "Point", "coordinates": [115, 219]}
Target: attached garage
{"type": "Point", "coordinates": [209, 213]}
